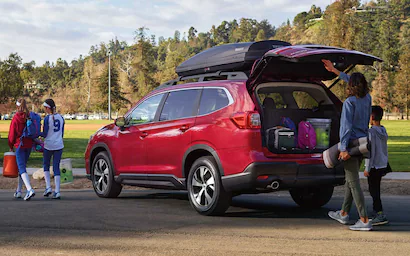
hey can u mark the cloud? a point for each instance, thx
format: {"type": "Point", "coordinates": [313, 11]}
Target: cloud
{"type": "Point", "coordinates": [48, 29]}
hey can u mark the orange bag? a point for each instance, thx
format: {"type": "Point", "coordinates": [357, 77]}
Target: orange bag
{"type": "Point", "coordinates": [10, 168]}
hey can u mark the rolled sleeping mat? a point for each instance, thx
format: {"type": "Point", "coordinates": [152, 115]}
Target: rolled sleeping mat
{"type": "Point", "coordinates": [358, 147]}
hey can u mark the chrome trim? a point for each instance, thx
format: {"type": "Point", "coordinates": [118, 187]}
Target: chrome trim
{"type": "Point", "coordinates": [229, 95]}
{"type": "Point", "coordinates": [235, 175]}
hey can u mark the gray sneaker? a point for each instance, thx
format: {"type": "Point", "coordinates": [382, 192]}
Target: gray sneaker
{"type": "Point", "coordinates": [380, 219]}
{"type": "Point", "coordinates": [337, 215]}
{"type": "Point", "coordinates": [361, 226]}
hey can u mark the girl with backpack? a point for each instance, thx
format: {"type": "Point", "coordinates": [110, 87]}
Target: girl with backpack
{"type": "Point", "coordinates": [53, 132]}
{"type": "Point", "coordinates": [23, 147]}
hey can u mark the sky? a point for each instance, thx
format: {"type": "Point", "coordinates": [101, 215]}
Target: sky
{"type": "Point", "coordinates": [42, 30]}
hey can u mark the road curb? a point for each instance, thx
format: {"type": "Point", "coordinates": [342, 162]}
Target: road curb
{"type": "Point", "coordinates": [80, 172]}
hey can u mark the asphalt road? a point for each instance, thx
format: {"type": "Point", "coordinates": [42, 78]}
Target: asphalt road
{"type": "Point", "coordinates": [153, 222]}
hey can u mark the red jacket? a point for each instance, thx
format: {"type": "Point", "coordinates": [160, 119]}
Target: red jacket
{"type": "Point", "coordinates": [16, 130]}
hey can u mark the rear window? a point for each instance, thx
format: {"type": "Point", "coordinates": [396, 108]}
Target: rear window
{"type": "Point", "coordinates": [180, 104]}
{"type": "Point", "coordinates": [304, 100]}
{"type": "Point", "coordinates": [212, 100]}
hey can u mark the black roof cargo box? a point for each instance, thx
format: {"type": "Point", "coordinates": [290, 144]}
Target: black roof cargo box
{"type": "Point", "coordinates": [228, 57]}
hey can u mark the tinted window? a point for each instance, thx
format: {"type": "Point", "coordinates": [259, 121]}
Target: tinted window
{"type": "Point", "coordinates": [180, 104]}
{"type": "Point", "coordinates": [212, 100]}
{"type": "Point", "coordinates": [145, 112]}
{"type": "Point", "coordinates": [304, 100]}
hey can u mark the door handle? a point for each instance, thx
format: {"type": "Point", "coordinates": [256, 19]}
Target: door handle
{"type": "Point", "coordinates": [144, 134]}
{"type": "Point", "coordinates": [184, 128]}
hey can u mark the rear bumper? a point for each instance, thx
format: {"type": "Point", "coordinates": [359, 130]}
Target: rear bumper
{"type": "Point", "coordinates": [288, 174]}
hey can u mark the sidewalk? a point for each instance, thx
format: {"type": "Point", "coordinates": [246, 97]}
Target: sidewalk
{"type": "Point", "coordinates": [76, 171]}
{"type": "Point", "coordinates": [391, 176]}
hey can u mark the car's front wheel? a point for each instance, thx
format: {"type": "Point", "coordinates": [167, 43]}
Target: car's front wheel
{"type": "Point", "coordinates": [313, 197]}
{"type": "Point", "coordinates": [205, 191]}
{"type": "Point", "coordinates": [102, 176]}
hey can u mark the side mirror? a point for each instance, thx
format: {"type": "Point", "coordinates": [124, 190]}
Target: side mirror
{"type": "Point", "coordinates": [120, 122]}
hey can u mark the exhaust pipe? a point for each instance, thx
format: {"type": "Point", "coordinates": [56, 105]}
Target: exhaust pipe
{"type": "Point", "coordinates": [274, 185]}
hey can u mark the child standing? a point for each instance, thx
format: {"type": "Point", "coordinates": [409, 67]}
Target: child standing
{"type": "Point", "coordinates": [23, 147]}
{"type": "Point", "coordinates": [377, 165]}
{"type": "Point", "coordinates": [53, 133]}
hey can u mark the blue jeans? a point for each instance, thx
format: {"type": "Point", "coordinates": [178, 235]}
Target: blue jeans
{"type": "Point", "coordinates": [56, 154]}
{"type": "Point", "coordinates": [22, 155]}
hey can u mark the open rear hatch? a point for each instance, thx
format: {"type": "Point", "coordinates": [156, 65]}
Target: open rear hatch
{"type": "Point", "coordinates": [297, 71]}
{"type": "Point", "coordinates": [304, 62]}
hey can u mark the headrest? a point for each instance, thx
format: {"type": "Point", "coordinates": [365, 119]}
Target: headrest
{"type": "Point", "coordinates": [268, 103]}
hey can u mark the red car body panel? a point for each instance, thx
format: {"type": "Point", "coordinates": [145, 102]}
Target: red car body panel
{"type": "Point", "coordinates": [161, 147]}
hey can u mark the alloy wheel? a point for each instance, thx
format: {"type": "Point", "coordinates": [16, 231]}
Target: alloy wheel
{"type": "Point", "coordinates": [203, 187]}
{"type": "Point", "coordinates": [101, 172]}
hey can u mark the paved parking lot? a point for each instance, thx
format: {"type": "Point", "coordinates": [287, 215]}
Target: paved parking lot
{"type": "Point", "coordinates": [152, 222]}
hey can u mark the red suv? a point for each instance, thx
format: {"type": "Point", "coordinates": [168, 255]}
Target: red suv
{"type": "Point", "coordinates": [208, 136]}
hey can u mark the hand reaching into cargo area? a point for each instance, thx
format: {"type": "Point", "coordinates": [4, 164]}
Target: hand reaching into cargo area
{"type": "Point", "coordinates": [329, 67]}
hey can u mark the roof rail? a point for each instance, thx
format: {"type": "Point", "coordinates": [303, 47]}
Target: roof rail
{"type": "Point", "coordinates": [202, 77]}
{"type": "Point", "coordinates": [318, 46]}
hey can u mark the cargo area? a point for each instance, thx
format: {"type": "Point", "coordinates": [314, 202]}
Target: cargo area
{"type": "Point", "coordinates": [298, 102]}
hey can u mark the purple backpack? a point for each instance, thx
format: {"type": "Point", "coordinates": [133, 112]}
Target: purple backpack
{"type": "Point", "coordinates": [306, 136]}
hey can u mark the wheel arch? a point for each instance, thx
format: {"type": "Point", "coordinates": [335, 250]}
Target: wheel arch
{"type": "Point", "coordinates": [97, 148]}
{"type": "Point", "coordinates": [195, 152]}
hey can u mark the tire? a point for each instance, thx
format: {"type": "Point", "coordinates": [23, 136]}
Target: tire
{"type": "Point", "coordinates": [314, 197]}
{"type": "Point", "coordinates": [102, 177]}
{"type": "Point", "coordinates": [205, 191]}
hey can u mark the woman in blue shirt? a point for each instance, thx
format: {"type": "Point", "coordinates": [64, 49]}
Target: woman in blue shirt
{"type": "Point", "coordinates": [354, 124]}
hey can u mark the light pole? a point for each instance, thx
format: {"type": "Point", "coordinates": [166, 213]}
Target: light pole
{"type": "Point", "coordinates": [109, 84]}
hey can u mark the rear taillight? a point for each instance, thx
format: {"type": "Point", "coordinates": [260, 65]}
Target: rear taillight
{"type": "Point", "coordinates": [254, 120]}
{"type": "Point", "coordinates": [247, 120]}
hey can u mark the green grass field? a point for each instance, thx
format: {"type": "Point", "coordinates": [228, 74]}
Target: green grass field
{"type": "Point", "coordinates": [76, 139]}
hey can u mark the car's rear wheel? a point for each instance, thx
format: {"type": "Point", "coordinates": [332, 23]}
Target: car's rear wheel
{"type": "Point", "coordinates": [205, 191]}
{"type": "Point", "coordinates": [102, 176]}
{"type": "Point", "coordinates": [313, 197]}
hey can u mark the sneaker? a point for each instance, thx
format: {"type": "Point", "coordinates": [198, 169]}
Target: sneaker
{"type": "Point", "coordinates": [361, 226]}
{"type": "Point", "coordinates": [17, 194]}
{"type": "Point", "coordinates": [337, 215]}
{"type": "Point", "coordinates": [56, 195]}
{"type": "Point", "coordinates": [380, 219]}
{"type": "Point", "coordinates": [47, 192]}
{"type": "Point", "coordinates": [29, 195]}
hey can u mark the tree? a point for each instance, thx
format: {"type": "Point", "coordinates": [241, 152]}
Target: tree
{"type": "Point", "coordinates": [247, 30]}
{"type": "Point", "coordinates": [117, 98]}
{"type": "Point", "coordinates": [402, 92]}
{"type": "Point", "coordinates": [260, 36]}
{"type": "Point", "coordinates": [11, 83]}
{"type": "Point", "coordinates": [27, 72]}
{"type": "Point", "coordinates": [267, 28]}
{"type": "Point", "coordinates": [144, 65]}
{"type": "Point", "coordinates": [192, 34]}
{"type": "Point", "coordinates": [88, 76]}
{"type": "Point", "coordinates": [284, 32]}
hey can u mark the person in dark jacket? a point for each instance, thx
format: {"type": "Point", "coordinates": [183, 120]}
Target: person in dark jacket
{"type": "Point", "coordinates": [354, 124]}
{"type": "Point", "coordinates": [377, 165]}
{"type": "Point", "coordinates": [22, 147]}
